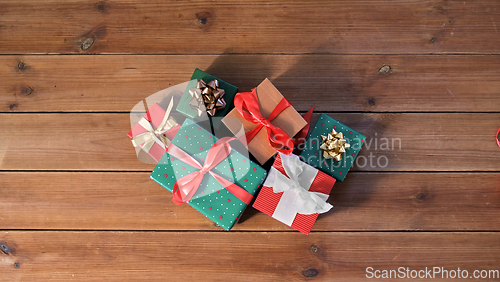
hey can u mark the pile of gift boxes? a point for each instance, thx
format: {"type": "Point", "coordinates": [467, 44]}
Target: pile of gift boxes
{"type": "Point", "coordinates": [215, 174]}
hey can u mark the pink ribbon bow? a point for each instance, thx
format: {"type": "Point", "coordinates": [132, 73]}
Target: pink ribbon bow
{"type": "Point", "coordinates": [186, 186]}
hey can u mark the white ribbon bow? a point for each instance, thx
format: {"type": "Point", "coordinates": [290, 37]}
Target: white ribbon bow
{"type": "Point", "coordinates": [152, 135]}
{"type": "Point", "coordinates": [296, 197]}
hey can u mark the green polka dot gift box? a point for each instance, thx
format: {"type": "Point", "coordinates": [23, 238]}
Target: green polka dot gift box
{"type": "Point", "coordinates": [332, 147]}
{"type": "Point", "coordinates": [210, 197]}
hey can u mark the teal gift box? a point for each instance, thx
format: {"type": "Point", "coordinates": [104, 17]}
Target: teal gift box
{"type": "Point", "coordinates": [313, 155]}
{"type": "Point", "coordinates": [211, 198]}
{"type": "Point", "coordinates": [230, 91]}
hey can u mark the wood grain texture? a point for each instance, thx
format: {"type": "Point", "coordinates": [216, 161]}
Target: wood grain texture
{"type": "Point", "coordinates": [363, 202]}
{"type": "Point", "coordinates": [330, 82]}
{"type": "Point", "coordinates": [173, 27]}
{"type": "Point", "coordinates": [262, 256]}
{"type": "Point", "coordinates": [396, 142]}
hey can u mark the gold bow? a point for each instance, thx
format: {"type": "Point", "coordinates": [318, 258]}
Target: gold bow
{"type": "Point", "coordinates": [207, 97]}
{"type": "Point", "coordinates": [152, 135]}
{"type": "Point", "coordinates": [334, 145]}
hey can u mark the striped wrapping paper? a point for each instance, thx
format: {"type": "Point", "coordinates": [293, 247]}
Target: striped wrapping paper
{"type": "Point", "coordinates": [267, 200]}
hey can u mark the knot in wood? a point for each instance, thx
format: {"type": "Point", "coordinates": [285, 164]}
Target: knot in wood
{"type": "Point", "coordinates": [311, 272]}
{"type": "Point", "coordinates": [27, 90]}
{"type": "Point", "coordinates": [86, 44]}
{"type": "Point", "coordinates": [5, 248]}
{"type": "Point", "coordinates": [203, 19]}
{"type": "Point", "coordinates": [385, 70]}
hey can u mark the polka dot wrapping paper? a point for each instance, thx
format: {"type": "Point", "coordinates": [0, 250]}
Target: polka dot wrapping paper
{"type": "Point", "coordinates": [313, 155]}
{"type": "Point", "coordinates": [211, 199]}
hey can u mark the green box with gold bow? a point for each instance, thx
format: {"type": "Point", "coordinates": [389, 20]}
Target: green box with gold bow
{"type": "Point", "coordinates": [221, 183]}
{"type": "Point", "coordinates": [332, 147]}
{"type": "Point", "coordinates": [206, 103]}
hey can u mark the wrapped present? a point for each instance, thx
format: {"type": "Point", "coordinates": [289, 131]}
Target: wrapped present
{"type": "Point", "coordinates": [268, 119]}
{"type": "Point", "coordinates": [294, 193]}
{"type": "Point", "coordinates": [208, 174]}
{"type": "Point", "coordinates": [154, 131]}
{"type": "Point", "coordinates": [205, 96]}
{"type": "Point", "coordinates": [332, 147]}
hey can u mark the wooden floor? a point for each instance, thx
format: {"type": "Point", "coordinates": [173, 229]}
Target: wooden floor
{"type": "Point", "coordinates": [76, 204]}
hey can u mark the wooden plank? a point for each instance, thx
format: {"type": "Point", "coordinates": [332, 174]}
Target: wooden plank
{"type": "Point", "coordinates": [364, 201]}
{"type": "Point", "coordinates": [329, 82]}
{"type": "Point", "coordinates": [239, 256]}
{"type": "Point", "coordinates": [197, 27]}
{"type": "Point", "coordinates": [396, 142]}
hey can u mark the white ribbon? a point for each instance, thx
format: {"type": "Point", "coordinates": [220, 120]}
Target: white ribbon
{"type": "Point", "coordinates": [152, 135]}
{"type": "Point", "coordinates": [296, 197]}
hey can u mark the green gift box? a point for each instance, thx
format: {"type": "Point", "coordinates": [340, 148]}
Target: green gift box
{"type": "Point", "coordinates": [211, 198]}
{"type": "Point", "coordinates": [313, 154]}
{"type": "Point", "coordinates": [184, 107]}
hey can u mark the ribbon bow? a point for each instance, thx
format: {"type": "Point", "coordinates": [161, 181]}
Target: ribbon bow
{"type": "Point", "coordinates": [295, 184]}
{"type": "Point", "coordinates": [334, 145]}
{"type": "Point", "coordinates": [207, 97]}
{"type": "Point", "coordinates": [152, 135]}
{"type": "Point", "coordinates": [247, 105]}
{"type": "Point", "coordinates": [186, 186]}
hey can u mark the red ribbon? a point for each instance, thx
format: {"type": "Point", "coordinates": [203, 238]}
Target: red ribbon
{"type": "Point", "coordinates": [247, 105]}
{"type": "Point", "coordinates": [498, 141]}
{"type": "Point", "coordinates": [186, 186]}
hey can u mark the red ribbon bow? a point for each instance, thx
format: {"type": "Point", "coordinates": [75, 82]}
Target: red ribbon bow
{"type": "Point", "coordinates": [186, 186]}
{"type": "Point", "coordinates": [247, 105]}
{"type": "Point", "coordinates": [498, 140]}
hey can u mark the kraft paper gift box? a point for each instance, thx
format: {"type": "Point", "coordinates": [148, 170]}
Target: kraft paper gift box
{"type": "Point", "coordinates": [184, 104]}
{"type": "Point", "coordinates": [288, 120]}
{"type": "Point", "coordinates": [210, 198]}
{"type": "Point", "coordinates": [147, 126]}
{"type": "Point", "coordinates": [314, 155]}
{"type": "Point", "coordinates": [294, 193]}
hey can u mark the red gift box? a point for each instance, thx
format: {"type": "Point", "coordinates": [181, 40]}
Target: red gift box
{"type": "Point", "coordinates": [154, 116]}
{"type": "Point", "coordinates": [267, 201]}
